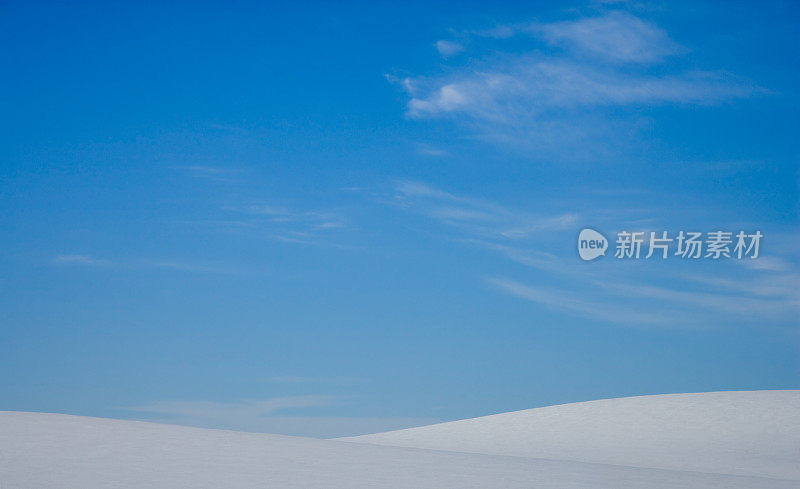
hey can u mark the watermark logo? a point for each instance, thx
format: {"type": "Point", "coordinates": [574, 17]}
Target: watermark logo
{"type": "Point", "coordinates": [686, 245]}
{"type": "Point", "coordinates": [591, 244]}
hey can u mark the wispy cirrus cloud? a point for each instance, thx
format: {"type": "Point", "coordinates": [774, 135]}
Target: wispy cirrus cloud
{"type": "Point", "coordinates": [301, 379]}
{"type": "Point", "coordinates": [313, 219]}
{"type": "Point", "coordinates": [476, 217]}
{"type": "Point", "coordinates": [513, 233]}
{"type": "Point", "coordinates": [551, 91]}
{"type": "Point", "coordinates": [448, 48]}
{"type": "Point", "coordinates": [140, 263]}
{"type": "Point", "coordinates": [569, 302]}
{"type": "Point", "coordinates": [763, 305]}
{"type": "Point", "coordinates": [779, 286]}
{"type": "Point", "coordinates": [277, 415]}
{"type": "Point", "coordinates": [769, 263]}
{"type": "Point", "coordinates": [81, 260]}
{"type": "Point", "coordinates": [614, 293]}
{"type": "Point", "coordinates": [211, 173]}
{"type": "Point", "coordinates": [289, 224]}
{"type": "Point", "coordinates": [617, 36]}
{"type": "Point", "coordinates": [229, 410]}
{"type": "Point", "coordinates": [528, 88]}
{"type": "Point", "coordinates": [638, 304]}
{"type": "Point", "coordinates": [431, 151]}
{"type": "Point", "coordinates": [205, 170]}
{"type": "Point", "coordinates": [283, 221]}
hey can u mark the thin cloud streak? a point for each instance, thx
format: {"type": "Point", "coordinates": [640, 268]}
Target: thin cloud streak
{"type": "Point", "coordinates": [230, 410]}
{"type": "Point", "coordinates": [616, 296]}
{"type": "Point", "coordinates": [617, 36]}
{"type": "Point", "coordinates": [81, 260]}
{"type": "Point", "coordinates": [610, 313]}
{"type": "Point", "coordinates": [140, 263]}
{"type": "Point", "coordinates": [299, 379]}
{"type": "Point", "coordinates": [529, 88]}
{"type": "Point", "coordinates": [546, 98]}
{"type": "Point", "coordinates": [272, 415]}
{"type": "Point", "coordinates": [448, 48]}
{"type": "Point", "coordinates": [705, 302]}
{"type": "Point", "coordinates": [476, 217]}
{"type": "Point", "coordinates": [288, 225]}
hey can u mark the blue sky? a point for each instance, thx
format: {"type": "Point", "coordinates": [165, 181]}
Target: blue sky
{"type": "Point", "coordinates": [330, 219]}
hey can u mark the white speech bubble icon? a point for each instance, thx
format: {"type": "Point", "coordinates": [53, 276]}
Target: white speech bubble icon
{"type": "Point", "coordinates": [591, 244]}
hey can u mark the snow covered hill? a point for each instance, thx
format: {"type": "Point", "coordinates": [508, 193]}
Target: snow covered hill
{"type": "Point", "coordinates": [744, 432]}
{"type": "Point", "coordinates": [49, 451]}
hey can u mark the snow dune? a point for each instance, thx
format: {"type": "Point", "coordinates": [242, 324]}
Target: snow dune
{"type": "Point", "coordinates": [48, 451]}
{"type": "Point", "coordinates": [742, 432]}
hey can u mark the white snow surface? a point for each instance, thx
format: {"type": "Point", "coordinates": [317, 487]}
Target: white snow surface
{"type": "Point", "coordinates": [48, 451]}
{"type": "Point", "coordinates": [738, 432]}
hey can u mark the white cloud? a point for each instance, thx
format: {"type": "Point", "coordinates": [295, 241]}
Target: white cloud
{"type": "Point", "coordinates": [300, 379]}
{"type": "Point", "coordinates": [260, 416]}
{"type": "Point", "coordinates": [476, 217]}
{"type": "Point", "coordinates": [81, 260]}
{"type": "Point", "coordinates": [616, 36]}
{"type": "Point", "coordinates": [290, 225]}
{"type": "Point", "coordinates": [431, 151]}
{"type": "Point", "coordinates": [606, 312]}
{"type": "Point", "coordinates": [718, 303]}
{"type": "Point", "coordinates": [768, 263]}
{"type": "Point", "coordinates": [513, 233]}
{"type": "Point", "coordinates": [776, 286]}
{"type": "Point", "coordinates": [141, 263]}
{"type": "Point", "coordinates": [525, 256]}
{"type": "Point", "coordinates": [448, 48]}
{"type": "Point", "coordinates": [652, 305]}
{"type": "Point", "coordinates": [525, 89]}
{"type": "Point", "coordinates": [205, 170]}
{"type": "Point", "coordinates": [312, 218]}
{"type": "Point", "coordinates": [230, 410]}
{"type": "Point", "coordinates": [212, 173]}
{"type": "Point", "coordinates": [554, 98]}
{"type": "Point", "coordinates": [616, 293]}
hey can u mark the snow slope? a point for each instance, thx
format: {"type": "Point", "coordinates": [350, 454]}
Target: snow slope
{"type": "Point", "coordinates": [745, 433]}
{"type": "Point", "coordinates": [49, 451]}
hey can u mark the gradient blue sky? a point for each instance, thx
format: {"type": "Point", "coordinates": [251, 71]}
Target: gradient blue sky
{"type": "Point", "coordinates": [327, 219]}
